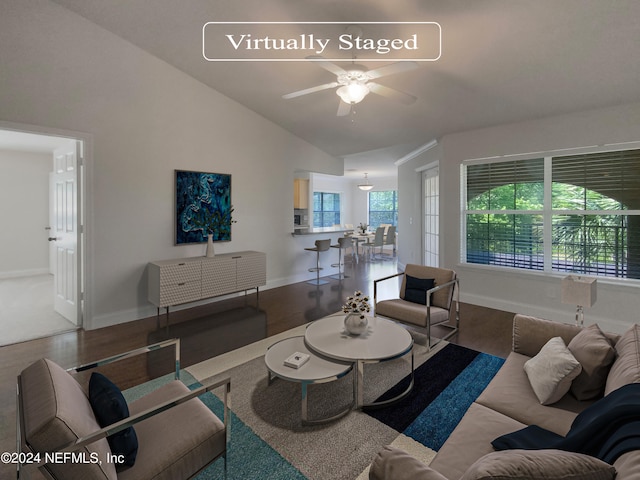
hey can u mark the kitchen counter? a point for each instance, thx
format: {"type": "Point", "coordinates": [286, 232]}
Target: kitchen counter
{"type": "Point", "coordinates": [306, 230]}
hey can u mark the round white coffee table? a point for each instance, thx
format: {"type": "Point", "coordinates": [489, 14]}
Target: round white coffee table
{"type": "Point", "coordinates": [384, 340]}
{"type": "Point", "coordinates": [315, 370]}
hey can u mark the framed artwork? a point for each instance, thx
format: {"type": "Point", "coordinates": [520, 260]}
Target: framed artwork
{"type": "Point", "coordinates": [203, 206]}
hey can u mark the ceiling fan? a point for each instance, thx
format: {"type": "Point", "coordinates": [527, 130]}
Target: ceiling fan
{"type": "Point", "coordinates": [355, 83]}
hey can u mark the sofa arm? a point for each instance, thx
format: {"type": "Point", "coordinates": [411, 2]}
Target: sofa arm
{"type": "Point", "coordinates": [394, 464]}
{"type": "Point", "coordinates": [530, 333]}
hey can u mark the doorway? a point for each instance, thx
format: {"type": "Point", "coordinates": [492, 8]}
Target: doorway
{"type": "Point", "coordinates": [41, 272]}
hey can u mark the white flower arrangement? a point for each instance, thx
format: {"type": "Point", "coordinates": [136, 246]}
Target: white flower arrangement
{"type": "Point", "coordinates": [357, 303]}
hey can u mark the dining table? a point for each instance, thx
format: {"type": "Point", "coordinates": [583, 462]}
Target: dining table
{"type": "Point", "coordinates": [360, 237]}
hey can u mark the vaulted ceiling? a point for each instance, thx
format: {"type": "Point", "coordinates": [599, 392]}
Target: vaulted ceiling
{"type": "Point", "coordinates": [502, 61]}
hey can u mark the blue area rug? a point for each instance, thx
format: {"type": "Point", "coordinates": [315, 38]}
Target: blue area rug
{"type": "Point", "coordinates": [248, 456]}
{"type": "Point", "coordinates": [267, 441]}
{"type": "Point", "coordinates": [445, 386]}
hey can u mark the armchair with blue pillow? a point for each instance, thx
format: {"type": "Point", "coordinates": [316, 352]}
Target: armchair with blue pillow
{"type": "Point", "coordinates": [428, 296]}
{"type": "Point", "coordinates": [73, 431]}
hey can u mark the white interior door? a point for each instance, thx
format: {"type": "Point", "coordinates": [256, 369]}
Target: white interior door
{"type": "Point", "coordinates": [431, 189]}
{"type": "Point", "coordinates": [52, 221]}
{"type": "Point", "coordinates": [64, 233]}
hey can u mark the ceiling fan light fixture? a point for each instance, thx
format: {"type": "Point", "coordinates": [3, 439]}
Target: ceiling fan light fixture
{"type": "Point", "coordinates": [353, 92]}
{"type": "Point", "coordinates": [366, 186]}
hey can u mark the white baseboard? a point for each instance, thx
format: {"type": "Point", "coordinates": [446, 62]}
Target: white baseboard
{"type": "Point", "coordinates": [124, 316]}
{"type": "Point", "coordinates": [537, 310]}
{"type": "Point", "coordinates": [24, 273]}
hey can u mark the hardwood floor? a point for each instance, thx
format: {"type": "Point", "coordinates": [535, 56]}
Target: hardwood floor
{"type": "Point", "coordinates": [209, 330]}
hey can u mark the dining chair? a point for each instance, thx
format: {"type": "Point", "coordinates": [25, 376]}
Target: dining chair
{"type": "Point", "coordinates": [378, 242]}
{"type": "Point", "coordinates": [390, 239]}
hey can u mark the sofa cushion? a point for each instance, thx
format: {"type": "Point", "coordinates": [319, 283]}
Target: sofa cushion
{"type": "Point", "coordinates": [628, 465]}
{"type": "Point", "coordinates": [57, 412]}
{"type": "Point", "coordinates": [416, 289]}
{"type": "Point", "coordinates": [531, 333]}
{"type": "Point", "coordinates": [510, 393]}
{"type": "Point", "coordinates": [176, 443]}
{"type": "Point", "coordinates": [471, 440]}
{"type": "Point", "coordinates": [532, 464]}
{"type": "Point", "coordinates": [397, 464]}
{"type": "Point", "coordinates": [594, 352]}
{"type": "Point", "coordinates": [109, 407]}
{"type": "Point", "coordinates": [410, 312]}
{"type": "Point", "coordinates": [626, 367]}
{"type": "Point", "coordinates": [551, 371]}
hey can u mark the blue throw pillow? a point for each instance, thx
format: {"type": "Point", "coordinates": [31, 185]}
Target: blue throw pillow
{"type": "Point", "coordinates": [109, 406]}
{"type": "Point", "coordinates": [415, 289]}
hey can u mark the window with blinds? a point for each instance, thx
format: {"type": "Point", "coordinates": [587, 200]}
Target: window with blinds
{"type": "Point", "coordinates": [578, 213]}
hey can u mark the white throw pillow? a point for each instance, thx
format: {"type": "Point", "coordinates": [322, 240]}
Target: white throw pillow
{"type": "Point", "coordinates": [552, 370]}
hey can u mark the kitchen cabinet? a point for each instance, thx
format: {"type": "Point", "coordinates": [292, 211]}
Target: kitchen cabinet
{"type": "Point", "coordinates": [300, 193]}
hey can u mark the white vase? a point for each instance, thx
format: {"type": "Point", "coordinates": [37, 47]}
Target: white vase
{"type": "Point", "coordinates": [355, 324]}
{"type": "Point", "coordinates": [210, 251]}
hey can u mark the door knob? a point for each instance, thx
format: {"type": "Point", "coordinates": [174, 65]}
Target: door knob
{"type": "Point", "coordinates": [53, 239]}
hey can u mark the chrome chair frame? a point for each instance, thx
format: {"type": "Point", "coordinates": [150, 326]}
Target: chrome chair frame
{"type": "Point", "coordinates": [456, 300]}
{"type": "Point", "coordinates": [23, 448]}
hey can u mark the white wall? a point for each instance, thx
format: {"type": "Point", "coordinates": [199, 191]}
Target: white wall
{"type": "Point", "coordinates": [24, 197]}
{"type": "Point", "coordinates": [147, 119]}
{"type": "Point", "coordinates": [536, 294]}
{"type": "Point", "coordinates": [410, 211]}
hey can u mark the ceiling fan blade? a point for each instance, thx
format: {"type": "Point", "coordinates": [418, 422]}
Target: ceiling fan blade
{"type": "Point", "coordinates": [327, 65]}
{"type": "Point", "coordinates": [391, 69]}
{"type": "Point", "coordinates": [343, 109]}
{"type": "Point", "coordinates": [396, 95]}
{"type": "Point", "coordinates": [310, 90]}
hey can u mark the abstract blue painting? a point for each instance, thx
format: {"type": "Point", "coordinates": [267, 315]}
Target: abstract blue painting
{"type": "Point", "coordinates": [203, 206]}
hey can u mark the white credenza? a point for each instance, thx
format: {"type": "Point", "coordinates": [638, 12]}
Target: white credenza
{"type": "Point", "coordinates": [184, 280]}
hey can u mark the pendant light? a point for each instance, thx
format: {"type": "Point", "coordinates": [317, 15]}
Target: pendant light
{"type": "Point", "coordinates": [366, 185]}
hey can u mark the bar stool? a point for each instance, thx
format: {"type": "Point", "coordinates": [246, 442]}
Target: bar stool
{"type": "Point", "coordinates": [343, 244]}
{"type": "Point", "coordinates": [321, 246]}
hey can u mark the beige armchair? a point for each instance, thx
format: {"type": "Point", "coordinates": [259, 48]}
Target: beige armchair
{"type": "Point", "coordinates": [58, 431]}
{"type": "Point", "coordinates": [428, 296]}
